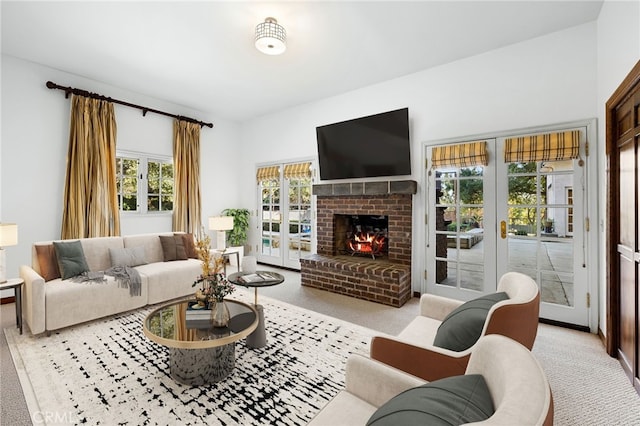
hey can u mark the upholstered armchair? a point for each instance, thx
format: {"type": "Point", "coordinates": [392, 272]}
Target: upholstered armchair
{"type": "Point", "coordinates": [421, 348]}
{"type": "Point", "coordinates": [514, 383]}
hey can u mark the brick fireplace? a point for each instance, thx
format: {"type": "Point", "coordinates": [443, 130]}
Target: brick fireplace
{"type": "Point", "coordinates": [384, 279]}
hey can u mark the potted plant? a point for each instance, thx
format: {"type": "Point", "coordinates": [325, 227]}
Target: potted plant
{"type": "Point", "coordinates": [237, 237]}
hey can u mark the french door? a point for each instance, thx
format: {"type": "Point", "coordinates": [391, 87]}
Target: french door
{"type": "Point", "coordinates": [525, 216]}
{"type": "Point", "coordinates": [460, 210]}
{"type": "Point", "coordinates": [286, 224]}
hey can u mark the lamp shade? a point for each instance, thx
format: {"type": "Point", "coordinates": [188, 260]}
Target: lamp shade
{"type": "Point", "coordinates": [8, 234]}
{"type": "Point", "coordinates": [271, 37]}
{"type": "Point", "coordinates": [221, 223]}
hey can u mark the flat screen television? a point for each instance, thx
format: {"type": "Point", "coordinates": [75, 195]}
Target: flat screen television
{"type": "Point", "coordinates": [372, 146]}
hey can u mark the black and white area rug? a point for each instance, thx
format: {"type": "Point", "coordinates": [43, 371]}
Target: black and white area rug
{"type": "Point", "coordinates": [107, 372]}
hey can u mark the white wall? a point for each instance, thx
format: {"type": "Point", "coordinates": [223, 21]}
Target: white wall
{"type": "Point", "coordinates": [35, 132]}
{"type": "Point", "coordinates": [543, 81]}
{"type": "Point", "coordinates": [618, 52]}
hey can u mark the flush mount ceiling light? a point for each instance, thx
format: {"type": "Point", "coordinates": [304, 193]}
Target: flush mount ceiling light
{"type": "Point", "coordinates": [271, 37]}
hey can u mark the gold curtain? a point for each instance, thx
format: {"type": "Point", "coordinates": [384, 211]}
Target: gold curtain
{"type": "Point", "coordinates": [542, 147]}
{"type": "Point", "coordinates": [181, 331]}
{"type": "Point", "coordinates": [186, 163]}
{"type": "Point", "coordinates": [90, 195]}
{"type": "Point", "coordinates": [268, 173]}
{"type": "Point", "coordinates": [297, 170]}
{"type": "Point", "coordinates": [460, 155]}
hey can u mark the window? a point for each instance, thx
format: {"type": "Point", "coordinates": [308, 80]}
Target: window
{"type": "Point", "coordinates": [144, 184]}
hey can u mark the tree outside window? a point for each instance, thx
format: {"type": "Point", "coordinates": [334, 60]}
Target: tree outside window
{"type": "Point", "coordinates": [134, 195]}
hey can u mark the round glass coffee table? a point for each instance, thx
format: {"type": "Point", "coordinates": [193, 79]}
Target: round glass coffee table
{"type": "Point", "coordinates": [198, 352]}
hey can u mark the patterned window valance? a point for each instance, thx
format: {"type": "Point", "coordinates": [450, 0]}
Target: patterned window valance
{"type": "Point", "coordinates": [297, 171]}
{"type": "Point", "coordinates": [268, 173]}
{"type": "Point", "coordinates": [460, 155]}
{"type": "Point", "coordinates": [542, 147]}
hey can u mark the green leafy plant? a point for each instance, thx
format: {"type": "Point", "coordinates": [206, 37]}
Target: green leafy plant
{"type": "Point", "coordinates": [238, 235]}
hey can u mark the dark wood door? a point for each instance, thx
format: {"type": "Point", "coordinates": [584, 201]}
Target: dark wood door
{"type": "Point", "coordinates": [624, 273]}
{"type": "Point", "coordinates": [628, 340]}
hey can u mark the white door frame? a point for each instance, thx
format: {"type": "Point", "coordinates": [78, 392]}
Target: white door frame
{"type": "Point", "coordinates": [591, 241]}
{"type": "Point", "coordinates": [282, 258]}
{"type": "Point", "coordinates": [488, 282]}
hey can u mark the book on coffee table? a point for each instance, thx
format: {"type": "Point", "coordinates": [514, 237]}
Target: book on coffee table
{"type": "Point", "coordinates": [258, 277]}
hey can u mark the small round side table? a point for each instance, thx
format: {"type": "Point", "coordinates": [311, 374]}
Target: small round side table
{"type": "Point", "coordinates": [16, 284]}
{"type": "Point", "coordinates": [258, 338]}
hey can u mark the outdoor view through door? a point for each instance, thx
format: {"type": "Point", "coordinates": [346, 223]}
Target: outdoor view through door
{"type": "Point", "coordinates": [285, 223]}
{"type": "Point", "coordinates": [523, 212]}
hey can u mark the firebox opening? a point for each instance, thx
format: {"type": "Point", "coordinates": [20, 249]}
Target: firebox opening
{"type": "Point", "coordinates": [362, 235]}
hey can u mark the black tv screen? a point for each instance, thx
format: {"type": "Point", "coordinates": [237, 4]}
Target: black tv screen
{"type": "Point", "coordinates": [377, 145]}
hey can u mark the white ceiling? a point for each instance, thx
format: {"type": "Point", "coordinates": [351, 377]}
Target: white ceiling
{"type": "Point", "coordinates": [201, 54]}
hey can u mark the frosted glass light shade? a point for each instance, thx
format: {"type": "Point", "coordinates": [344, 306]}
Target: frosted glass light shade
{"type": "Point", "coordinates": [8, 234]}
{"type": "Point", "coordinates": [271, 37]}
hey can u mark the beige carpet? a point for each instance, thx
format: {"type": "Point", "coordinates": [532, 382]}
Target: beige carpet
{"type": "Point", "coordinates": [589, 387]}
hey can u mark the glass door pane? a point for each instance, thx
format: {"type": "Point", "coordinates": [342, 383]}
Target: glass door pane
{"type": "Point", "coordinates": [298, 220]}
{"type": "Point", "coordinates": [459, 247]}
{"type": "Point", "coordinates": [541, 202]}
{"type": "Point", "coordinates": [458, 265]}
{"type": "Point", "coordinates": [539, 242]}
{"type": "Point", "coordinates": [270, 220]}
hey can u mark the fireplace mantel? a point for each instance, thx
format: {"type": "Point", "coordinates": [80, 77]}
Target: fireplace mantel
{"type": "Point", "coordinates": [365, 188]}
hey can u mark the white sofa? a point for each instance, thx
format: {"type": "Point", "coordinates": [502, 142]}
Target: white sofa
{"type": "Point", "coordinates": [58, 303]}
{"type": "Point", "coordinates": [516, 382]}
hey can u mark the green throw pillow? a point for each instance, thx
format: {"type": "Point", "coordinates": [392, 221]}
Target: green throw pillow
{"type": "Point", "coordinates": [452, 401]}
{"type": "Point", "coordinates": [461, 329]}
{"type": "Point", "coordinates": [71, 260]}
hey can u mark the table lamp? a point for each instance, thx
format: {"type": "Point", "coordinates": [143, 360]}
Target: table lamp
{"type": "Point", "coordinates": [8, 237]}
{"type": "Point", "coordinates": [220, 224]}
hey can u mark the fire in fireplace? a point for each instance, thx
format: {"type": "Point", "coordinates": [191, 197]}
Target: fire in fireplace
{"type": "Point", "coordinates": [362, 235]}
{"type": "Point", "coordinates": [367, 243]}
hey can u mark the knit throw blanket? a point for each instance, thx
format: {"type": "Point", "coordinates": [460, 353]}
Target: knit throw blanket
{"type": "Point", "coordinates": [125, 276]}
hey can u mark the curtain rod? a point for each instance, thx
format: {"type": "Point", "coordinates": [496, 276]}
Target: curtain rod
{"type": "Point", "coordinates": [145, 110]}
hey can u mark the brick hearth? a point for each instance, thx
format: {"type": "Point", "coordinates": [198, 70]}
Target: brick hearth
{"type": "Point", "coordinates": [385, 281]}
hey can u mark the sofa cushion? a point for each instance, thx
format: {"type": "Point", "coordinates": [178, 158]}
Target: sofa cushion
{"type": "Point", "coordinates": [452, 401]}
{"type": "Point", "coordinates": [151, 244]}
{"type": "Point", "coordinates": [462, 328]}
{"type": "Point", "coordinates": [48, 262]}
{"type": "Point", "coordinates": [96, 251]}
{"type": "Point", "coordinates": [189, 246]}
{"type": "Point", "coordinates": [173, 248]}
{"type": "Point", "coordinates": [71, 260]}
{"type": "Point", "coordinates": [169, 280]}
{"type": "Point", "coordinates": [132, 256]}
